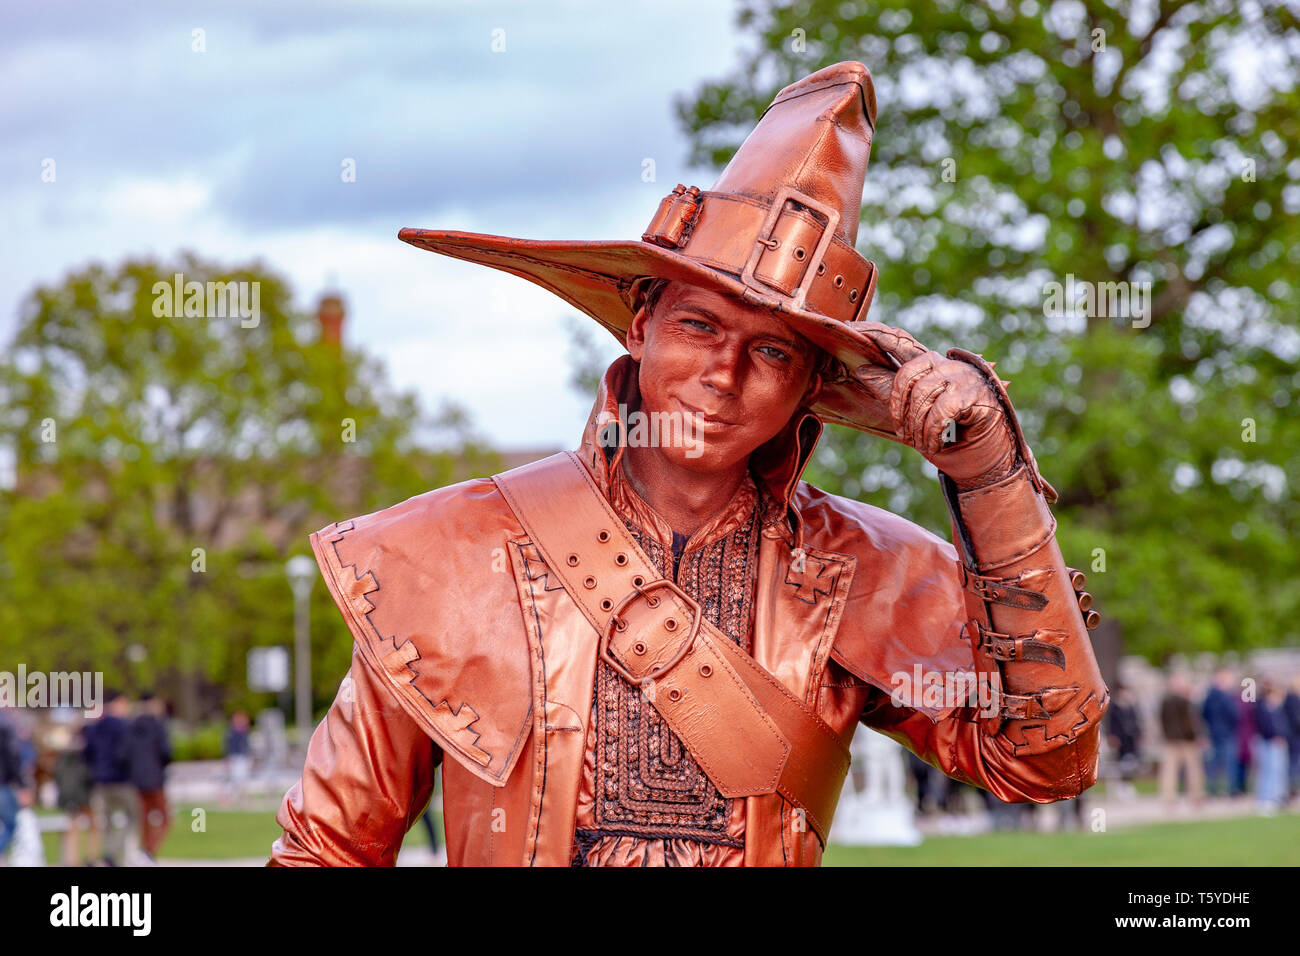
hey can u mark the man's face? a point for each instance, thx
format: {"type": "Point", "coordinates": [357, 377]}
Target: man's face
{"type": "Point", "coordinates": [737, 369]}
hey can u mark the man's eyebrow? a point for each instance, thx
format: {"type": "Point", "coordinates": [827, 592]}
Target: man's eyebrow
{"type": "Point", "coordinates": [790, 344]}
{"type": "Point", "coordinates": [698, 309]}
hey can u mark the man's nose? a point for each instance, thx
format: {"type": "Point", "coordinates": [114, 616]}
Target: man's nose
{"type": "Point", "coordinates": [723, 368]}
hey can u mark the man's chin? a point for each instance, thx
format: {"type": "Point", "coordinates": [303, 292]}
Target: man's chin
{"type": "Point", "coordinates": [702, 454]}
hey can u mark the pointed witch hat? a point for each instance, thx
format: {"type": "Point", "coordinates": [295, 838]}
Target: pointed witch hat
{"type": "Point", "coordinates": [776, 230]}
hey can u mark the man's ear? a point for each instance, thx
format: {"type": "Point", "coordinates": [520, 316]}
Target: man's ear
{"type": "Point", "coordinates": [821, 365]}
{"type": "Point", "coordinates": [813, 391]}
{"type": "Point", "coordinates": [636, 334]}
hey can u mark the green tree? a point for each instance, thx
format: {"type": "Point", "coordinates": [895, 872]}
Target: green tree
{"type": "Point", "coordinates": [1019, 144]}
{"type": "Point", "coordinates": [166, 465]}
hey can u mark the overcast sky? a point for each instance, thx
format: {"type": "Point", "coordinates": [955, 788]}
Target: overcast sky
{"type": "Point", "coordinates": [236, 153]}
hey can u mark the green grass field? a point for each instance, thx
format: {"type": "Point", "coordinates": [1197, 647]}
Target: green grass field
{"type": "Point", "coordinates": [226, 835]}
{"type": "Point", "coordinates": [1248, 841]}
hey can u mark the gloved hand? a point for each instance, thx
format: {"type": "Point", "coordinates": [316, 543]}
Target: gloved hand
{"type": "Point", "coordinates": [945, 409]}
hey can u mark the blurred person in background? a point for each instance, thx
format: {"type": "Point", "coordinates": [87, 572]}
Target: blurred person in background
{"type": "Point", "coordinates": [1124, 732]}
{"type": "Point", "coordinates": [1008, 816]}
{"type": "Point", "coordinates": [1219, 711]}
{"type": "Point", "coordinates": [429, 825]}
{"type": "Point", "coordinates": [72, 782]}
{"type": "Point", "coordinates": [1270, 750]}
{"type": "Point", "coordinates": [920, 772]}
{"type": "Point", "coordinates": [113, 801]}
{"type": "Point", "coordinates": [25, 847]}
{"type": "Point", "coordinates": [1183, 743]}
{"type": "Point", "coordinates": [239, 757]}
{"type": "Point", "coordinates": [149, 751]}
{"type": "Point", "coordinates": [1291, 709]}
{"type": "Point", "coordinates": [28, 759]}
{"type": "Point", "coordinates": [1246, 736]}
{"type": "Point", "coordinates": [11, 781]}
{"type": "Point", "coordinates": [1071, 814]}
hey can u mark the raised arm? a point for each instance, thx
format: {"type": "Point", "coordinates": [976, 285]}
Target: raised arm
{"type": "Point", "coordinates": [1024, 614]}
{"type": "Point", "coordinates": [1034, 733]}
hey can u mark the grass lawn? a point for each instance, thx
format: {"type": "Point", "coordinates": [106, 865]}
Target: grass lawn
{"type": "Point", "coordinates": [1248, 841]}
{"type": "Point", "coordinates": [227, 835]}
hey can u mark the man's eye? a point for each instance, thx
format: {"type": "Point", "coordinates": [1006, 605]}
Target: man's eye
{"type": "Point", "coordinates": [776, 353]}
{"type": "Point", "coordinates": [702, 325]}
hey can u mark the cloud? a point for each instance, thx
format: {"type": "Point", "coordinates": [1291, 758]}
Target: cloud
{"type": "Point", "coordinates": [271, 110]}
{"type": "Point", "coordinates": [236, 153]}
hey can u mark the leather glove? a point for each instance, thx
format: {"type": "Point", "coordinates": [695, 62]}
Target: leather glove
{"type": "Point", "coordinates": [945, 409]}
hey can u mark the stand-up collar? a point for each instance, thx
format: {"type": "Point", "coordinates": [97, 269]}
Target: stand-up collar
{"type": "Point", "coordinates": [775, 467]}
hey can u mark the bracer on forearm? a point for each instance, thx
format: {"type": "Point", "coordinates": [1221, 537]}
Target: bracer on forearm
{"type": "Point", "coordinates": [1026, 621]}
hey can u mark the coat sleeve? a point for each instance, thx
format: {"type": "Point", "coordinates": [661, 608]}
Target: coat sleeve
{"type": "Point", "coordinates": [959, 746]}
{"type": "Point", "coordinates": [368, 777]}
{"type": "Point", "coordinates": [1031, 729]}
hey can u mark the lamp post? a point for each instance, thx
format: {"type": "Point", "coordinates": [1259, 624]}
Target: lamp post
{"type": "Point", "coordinates": [302, 575]}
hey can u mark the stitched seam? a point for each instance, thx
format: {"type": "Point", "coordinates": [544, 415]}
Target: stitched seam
{"type": "Point", "coordinates": [1020, 475]}
{"type": "Point", "coordinates": [535, 814]}
{"type": "Point", "coordinates": [1032, 549]}
{"type": "Point", "coordinates": [334, 564]}
{"type": "Point", "coordinates": [839, 600]}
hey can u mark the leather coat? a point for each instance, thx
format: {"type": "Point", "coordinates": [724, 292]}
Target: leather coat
{"type": "Point", "coordinates": [464, 658]}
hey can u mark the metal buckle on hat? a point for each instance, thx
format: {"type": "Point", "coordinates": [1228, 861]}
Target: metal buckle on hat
{"type": "Point", "coordinates": [764, 240]}
{"type": "Point", "coordinates": [607, 632]}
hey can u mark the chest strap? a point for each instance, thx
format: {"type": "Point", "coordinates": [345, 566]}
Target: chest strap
{"type": "Point", "coordinates": [747, 731]}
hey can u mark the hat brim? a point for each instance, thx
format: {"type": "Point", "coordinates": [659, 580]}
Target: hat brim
{"type": "Point", "coordinates": [597, 278]}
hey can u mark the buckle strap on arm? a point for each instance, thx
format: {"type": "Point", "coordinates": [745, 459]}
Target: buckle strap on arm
{"type": "Point", "coordinates": [1025, 647]}
{"type": "Point", "coordinates": [1024, 707]}
{"type": "Point", "coordinates": [1009, 591]}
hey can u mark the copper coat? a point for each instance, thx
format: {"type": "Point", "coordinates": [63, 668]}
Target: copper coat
{"type": "Point", "coordinates": [464, 660]}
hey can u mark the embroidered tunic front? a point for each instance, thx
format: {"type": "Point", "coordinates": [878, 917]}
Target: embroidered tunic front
{"type": "Point", "coordinates": [644, 801]}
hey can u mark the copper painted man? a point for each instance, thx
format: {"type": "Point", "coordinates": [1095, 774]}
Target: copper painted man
{"type": "Point", "coordinates": [657, 652]}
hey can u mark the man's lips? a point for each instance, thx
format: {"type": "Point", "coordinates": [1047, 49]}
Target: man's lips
{"type": "Point", "coordinates": [703, 416]}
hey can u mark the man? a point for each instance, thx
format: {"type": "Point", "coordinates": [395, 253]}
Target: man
{"type": "Point", "coordinates": [1183, 743]}
{"type": "Point", "coordinates": [1219, 712]}
{"type": "Point", "coordinates": [1123, 726]}
{"type": "Point", "coordinates": [11, 781]}
{"type": "Point", "coordinates": [1291, 711]}
{"type": "Point", "coordinates": [1271, 783]}
{"type": "Point", "coordinates": [113, 802]}
{"type": "Point", "coordinates": [655, 650]}
{"type": "Point", "coordinates": [149, 751]}
{"type": "Point", "coordinates": [239, 753]}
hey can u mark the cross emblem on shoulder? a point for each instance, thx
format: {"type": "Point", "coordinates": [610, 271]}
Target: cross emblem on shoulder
{"type": "Point", "coordinates": [808, 576]}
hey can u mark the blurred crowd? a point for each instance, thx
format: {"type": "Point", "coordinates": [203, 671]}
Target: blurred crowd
{"type": "Point", "coordinates": [100, 783]}
{"type": "Point", "coordinates": [1236, 738]}
{"type": "Point", "coordinates": [107, 776]}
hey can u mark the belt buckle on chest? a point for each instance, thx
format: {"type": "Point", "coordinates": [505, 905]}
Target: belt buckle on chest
{"type": "Point", "coordinates": [607, 632]}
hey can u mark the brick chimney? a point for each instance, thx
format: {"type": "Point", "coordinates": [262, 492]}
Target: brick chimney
{"type": "Point", "coordinates": [330, 314]}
